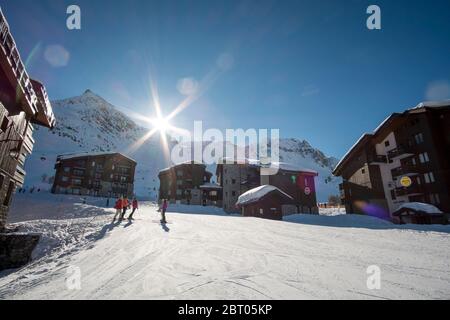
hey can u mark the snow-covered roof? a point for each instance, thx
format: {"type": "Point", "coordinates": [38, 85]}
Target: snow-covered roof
{"type": "Point", "coordinates": [256, 194]}
{"type": "Point", "coordinates": [179, 164]}
{"type": "Point", "coordinates": [67, 156]}
{"type": "Point", "coordinates": [210, 185]}
{"type": "Point", "coordinates": [432, 104]}
{"type": "Point", "coordinates": [420, 207]}
{"type": "Point", "coordinates": [276, 165]}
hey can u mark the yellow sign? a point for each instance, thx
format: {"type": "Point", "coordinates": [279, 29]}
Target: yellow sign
{"type": "Point", "coordinates": [406, 181]}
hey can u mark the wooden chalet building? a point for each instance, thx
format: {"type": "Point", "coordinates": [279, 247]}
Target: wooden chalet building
{"type": "Point", "coordinates": [238, 177]}
{"type": "Point", "coordinates": [406, 159]}
{"type": "Point", "coordinates": [23, 103]}
{"type": "Point", "coordinates": [264, 202]}
{"type": "Point", "coordinates": [182, 183]}
{"type": "Point", "coordinates": [102, 174]}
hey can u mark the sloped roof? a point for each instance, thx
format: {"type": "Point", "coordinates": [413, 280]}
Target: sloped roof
{"type": "Point", "coordinates": [423, 105]}
{"type": "Point", "coordinates": [418, 207]}
{"type": "Point", "coordinates": [89, 154]}
{"type": "Point", "coordinates": [259, 193]}
{"type": "Point", "coordinates": [279, 165]}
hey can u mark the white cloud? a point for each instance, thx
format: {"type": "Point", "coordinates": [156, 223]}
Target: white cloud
{"type": "Point", "coordinates": [438, 90]}
{"type": "Point", "coordinates": [56, 55]}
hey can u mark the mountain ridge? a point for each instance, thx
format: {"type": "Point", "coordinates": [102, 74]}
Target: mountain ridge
{"type": "Point", "coordinates": [89, 123]}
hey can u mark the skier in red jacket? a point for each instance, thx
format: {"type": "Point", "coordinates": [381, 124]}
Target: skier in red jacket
{"type": "Point", "coordinates": [135, 206]}
{"type": "Point", "coordinates": [118, 206]}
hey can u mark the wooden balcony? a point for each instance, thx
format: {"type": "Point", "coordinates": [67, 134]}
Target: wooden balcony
{"type": "Point", "coordinates": [44, 116]}
{"type": "Point", "coordinates": [24, 97]}
{"type": "Point", "coordinates": [400, 153]}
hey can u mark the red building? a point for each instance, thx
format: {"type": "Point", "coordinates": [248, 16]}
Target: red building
{"type": "Point", "coordinates": [264, 202]}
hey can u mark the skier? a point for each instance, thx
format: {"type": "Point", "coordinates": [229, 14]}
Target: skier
{"type": "Point", "coordinates": [118, 206]}
{"type": "Point", "coordinates": [125, 205]}
{"type": "Point", "coordinates": [163, 211]}
{"type": "Point", "coordinates": [135, 206]}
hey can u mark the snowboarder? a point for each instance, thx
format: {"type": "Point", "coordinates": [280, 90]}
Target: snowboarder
{"type": "Point", "coordinates": [118, 206]}
{"type": "Point", "coordinates": [163, 211]}
{"type": "Point", "coordinates": [125, 205]}
{"type": "Point", "coordinates": [135, 206]}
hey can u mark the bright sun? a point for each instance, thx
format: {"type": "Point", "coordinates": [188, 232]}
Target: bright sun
{"type": "Point", "coordinates": [161, 124]}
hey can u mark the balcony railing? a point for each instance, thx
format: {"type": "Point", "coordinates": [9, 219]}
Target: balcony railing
{"type": "Point", "coordinates": [44, 116]}
{"type": "Point", "coordinates": [400, 152]}
{"type": "Point", "coordinates": [414, 189]}
{"type": "Point", "coordinates": [17, 74]}
{"type": "Point", "coordinates": [376, 158]}
{"type": "Point", "coordinates": [405, 170]}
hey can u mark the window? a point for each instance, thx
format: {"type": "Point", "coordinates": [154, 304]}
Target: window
{"type": "Point", "coordinates": [363, 171]}
{"type": "Point", "coordinates": [418, 181]}
{"type": "Point", "coordinates": [66, 169]}
{"type": "Point", "coordinates": [123, 179]}
{"type": "Point", "coordinates": [5, 123]}
{"type": "Point", "coordinates": [429, 177]}
{"type": "Point", "coordinates": [306, 182]}
{"type": "Point", "coordinates": [179, 182]}
{"type": "Point", "coordinates": [418, 138]}
{"type": "Point", "coordinates": [213, 193]}
{"type": "Point", "coordinates": [233, 193]}
{"type": "Point", "coordinates": [261, 211]}
{"type": "Point", "coordinates": [76, 191]}
{"type": "Point", "coordinates": [423, 157]}
{"type": "Point", "coordinates": [434, 198]}
{"type": "Point", "coordinates": [413, 161]}
{"type": "Point", "coordinates": [2, 180]}
{"type": "Point", "coordinates": [179, 192]}
{"type": "Point", "coordinates": [179, 173]}
{"type": "Point", "coordinates": [93, 163]}
{"type": "Point", "coordinates": [77, 172]}
{"type": "Point", "coordinates": [387, 143]}
{"type": "Point", "coordinates": [76, 182]}
{"type": "Point", "coordinates": [233, 181]}
{"type": "Point", "coordinates": [64, 179]}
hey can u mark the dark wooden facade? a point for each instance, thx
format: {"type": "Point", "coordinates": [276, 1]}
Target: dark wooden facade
{"type": "Point", "coordinates": [238, 178]}
{"type": "Point", "coordinates": [23, 102]}
{"type": "Point", "coordinates": [98, 175]}
{"type": "Point", "coordinates": [181, 183]}
{"type": "Point", "coordinates": [270, 206]}
{"type": "Point", "coordinates": [413, 144]}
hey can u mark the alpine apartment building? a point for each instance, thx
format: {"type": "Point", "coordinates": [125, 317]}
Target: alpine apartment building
{"type": "Point", "coordinates": [100, 174]}
{"type": "Point", "coordinates": [238, 177]}
{"type": "Point", "coordinates": [188, 183]}
{"type": "Point", "coordinates": [23, 103]}
{"type": "Point", "coordinates": [406, 159]}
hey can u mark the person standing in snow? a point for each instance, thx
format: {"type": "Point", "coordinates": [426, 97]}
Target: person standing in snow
{"type": "Point", "coordinates": [163, 211]}
{"type": "Point", "coordinates": [135, 206]}
{"type": "Point", "coordinates": [118, 206]}
{"type": "Point", "coordinates": [125, 205]}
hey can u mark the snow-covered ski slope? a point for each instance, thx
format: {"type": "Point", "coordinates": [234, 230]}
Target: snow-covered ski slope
{"type": "Point", "coordinates": [210, 255]}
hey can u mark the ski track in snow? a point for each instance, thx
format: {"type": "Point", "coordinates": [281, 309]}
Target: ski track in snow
{"type": "Point", "coordinates": [206, 256]}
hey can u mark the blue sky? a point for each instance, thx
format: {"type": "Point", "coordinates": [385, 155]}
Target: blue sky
{"type": "Point", "coordinates": [310, 68]}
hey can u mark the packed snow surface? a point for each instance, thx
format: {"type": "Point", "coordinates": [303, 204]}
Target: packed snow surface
{"type": "Point", "coordinates": [202, 253]}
